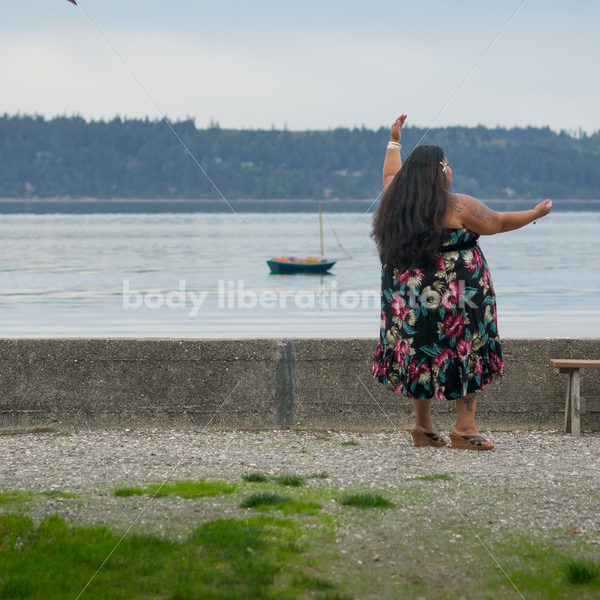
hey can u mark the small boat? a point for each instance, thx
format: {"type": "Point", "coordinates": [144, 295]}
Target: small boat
{"type": "Point", "coordinates": [285, 265]}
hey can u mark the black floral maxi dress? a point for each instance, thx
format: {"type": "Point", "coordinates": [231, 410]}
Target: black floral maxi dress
{"type": "Point", "coordinates": [439, 332]}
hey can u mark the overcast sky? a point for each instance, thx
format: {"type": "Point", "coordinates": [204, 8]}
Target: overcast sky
{"type": "Point", "coordinates": [307, 64]}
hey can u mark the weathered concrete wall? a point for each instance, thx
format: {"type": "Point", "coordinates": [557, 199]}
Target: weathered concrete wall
{"type": "Point", "coordinates": [65, 384]}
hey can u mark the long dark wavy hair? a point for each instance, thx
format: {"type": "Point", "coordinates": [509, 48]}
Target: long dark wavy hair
{"type": "Point", "coordinates": [407, 226]}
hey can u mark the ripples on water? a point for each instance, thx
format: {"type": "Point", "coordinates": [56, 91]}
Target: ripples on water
{"type": "Point", "coordinates": [63, 276]}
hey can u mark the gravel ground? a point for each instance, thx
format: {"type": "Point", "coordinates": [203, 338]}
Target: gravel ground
{"type": "Point", "coordinates": [531, 479]}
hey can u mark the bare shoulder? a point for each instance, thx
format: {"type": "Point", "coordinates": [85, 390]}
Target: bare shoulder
{"type": "Point", "coordinates": [454, 209]}
{"type": "Point", "coordinates": [456, 202]}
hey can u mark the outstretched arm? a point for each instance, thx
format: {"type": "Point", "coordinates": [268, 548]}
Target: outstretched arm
{"type": "Point", "coordinates": [475, 215]}
{"type": "Point", "coordinates": [393, 160]}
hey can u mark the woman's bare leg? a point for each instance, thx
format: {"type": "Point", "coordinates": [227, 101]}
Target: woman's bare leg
{"type": "Point", "coordinates": [465, 416]}
{"type": "Point", "coordinates": [422, 414]}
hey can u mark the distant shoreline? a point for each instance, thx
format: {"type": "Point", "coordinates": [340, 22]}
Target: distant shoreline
{"type": "Point", "coordinates": [122, 205]}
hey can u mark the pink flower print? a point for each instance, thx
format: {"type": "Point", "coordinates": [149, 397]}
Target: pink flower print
{"type": "Point", "coordinates": [453, 326]}
{"type": "Point", "coordinates": [486, 278]}
{"type": "Point", "coordinates": [414, 371]}
{"type": "Point", "coordinates": [404, 312]}
{"type": "Point", "coordinates": [439, 394]}
{"type": "Point", "coordinates": [399, 307]}
{"type": "Point", "coordinates": [464, 347]}
{"type": "Point", "coordinates": [478, 366]}
{"type": "Point", "coordinates": [401, 349]}
{"type": "Point", "coordinates": [473, 260]}
{"type": "Point", "coordinates": [450, 296]}
{"type": "Point", "coordinates": [445, 354]}
{"type": "Point", "coordinates": [379, 350]}
{"type": "Point", "coordinates": [384, 369]}
{"type": "Point", "coordinates": [397, 304]}
{"type": "Point", "coordinates": [495, 363]}
{"type": "Point", "coordinates": [439, 262]}
{"type": "Point", "coordinates": [404, 276]}
{"type": "Point", "coordinates": [380, 368]}
{"type": "Point", "coordinates": [378, 365]}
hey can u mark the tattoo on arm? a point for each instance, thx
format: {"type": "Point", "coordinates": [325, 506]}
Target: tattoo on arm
{"type": "Point", "coordinates": [480, 211]}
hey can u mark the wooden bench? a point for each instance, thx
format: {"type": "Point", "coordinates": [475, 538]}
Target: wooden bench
{"type": "Point", "coordinates": [573, 401]}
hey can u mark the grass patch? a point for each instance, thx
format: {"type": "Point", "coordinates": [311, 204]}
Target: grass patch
{"type": "Point", "coordinates": [365, 500]}
{"type": "Point", "coordinates": [255, 477]}
{"type": "Point", "coordinates": [581, 572]}
{"type": "Point", "coordinates": [433, 477]}
{"type": "Point", "coordinates": [129, 491]}
{"type": "Point", "coordinates": [259, 557]}
{"type": "Point", "coordinates": [287, 550]}
{"type": "Point", "coordinates": [7, 496]}
{"type": "Point", "coordinates": [350, 443]}
{"type": "Point", "coordinates": [59, 494]}
{"type": "Point", "coordinates": [323, 438]}
{"type": "Point", "coordinates": [264, 499]}
{"type": "Point", "coordinates": [184, 489]}
{"type": "Point", "coordinates": [269, 500]}
{"type": "Point", "coordinates": [306, 507]}
{"type": "Point", "coordinates": [538, 565]}
{"type": "Point", "coordinates": [289, 479]}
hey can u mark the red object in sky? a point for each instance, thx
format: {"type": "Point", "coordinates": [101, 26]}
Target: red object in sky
{"type": "Point", "coordinates": [73, 2]}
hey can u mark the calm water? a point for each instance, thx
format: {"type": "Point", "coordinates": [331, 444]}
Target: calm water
{"type": "Point", "coordinates": [67, 276]}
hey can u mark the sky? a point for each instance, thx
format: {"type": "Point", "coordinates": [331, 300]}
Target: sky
{"type": "Point", "coordinates": [305, 65]}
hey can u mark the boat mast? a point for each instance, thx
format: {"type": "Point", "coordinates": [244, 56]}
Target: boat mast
{"type": "Point", "coordinates": [321, 228]}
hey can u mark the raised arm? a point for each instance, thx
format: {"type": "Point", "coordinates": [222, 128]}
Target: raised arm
{"type": "Point", "coordinates": [475, 215]}
{"type": "Point", "coordinates": [393, 160]}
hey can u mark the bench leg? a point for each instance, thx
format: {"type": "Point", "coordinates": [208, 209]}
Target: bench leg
{"type": "Point", "coordinates": [567, 423]}
{"type": "Point", "coordinates": [575, 402]}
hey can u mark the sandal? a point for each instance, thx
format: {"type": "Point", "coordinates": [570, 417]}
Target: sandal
{"type": "Point", "coordinates": [428, 438]}
{"type": "Point", "coordinates": [468, 442]}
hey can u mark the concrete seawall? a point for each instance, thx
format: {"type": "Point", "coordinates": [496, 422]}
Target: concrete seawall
{"type": "Point", "coordinates": [319, 384]}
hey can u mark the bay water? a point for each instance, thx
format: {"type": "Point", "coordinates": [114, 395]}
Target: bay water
{"type": "Point", "coordinates": [204, 275]}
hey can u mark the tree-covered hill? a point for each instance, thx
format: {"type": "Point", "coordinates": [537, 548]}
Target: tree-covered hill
{"type": "Point", "coordinates": [71, 157]}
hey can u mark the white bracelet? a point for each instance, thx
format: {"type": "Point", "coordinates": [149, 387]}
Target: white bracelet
{"type": "Point", "coordinates": [395, 145]}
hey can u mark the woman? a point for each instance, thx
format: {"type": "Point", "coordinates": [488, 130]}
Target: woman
{"type": "Point", "coordinates": [439, 336]}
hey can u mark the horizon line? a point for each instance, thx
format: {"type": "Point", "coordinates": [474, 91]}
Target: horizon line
{"type": "Point", "coordinates": [576, 133]}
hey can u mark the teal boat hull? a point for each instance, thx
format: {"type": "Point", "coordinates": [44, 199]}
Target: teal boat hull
{"type": "Point", "coordinates": [279, 267]}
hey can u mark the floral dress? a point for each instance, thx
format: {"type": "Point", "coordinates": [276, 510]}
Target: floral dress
{"type": "Point", "coordinates": [439, 332]}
